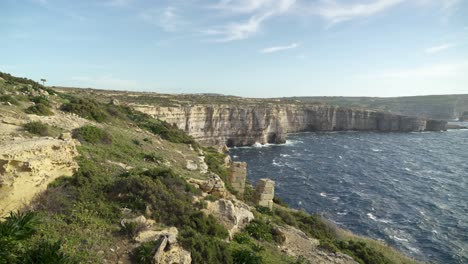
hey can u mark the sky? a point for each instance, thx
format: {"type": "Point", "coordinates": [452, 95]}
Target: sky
{"type": "Point", "coordinates": [252, 48]}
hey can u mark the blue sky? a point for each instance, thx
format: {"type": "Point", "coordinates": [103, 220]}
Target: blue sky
{"type": "Point", "coordinates": [255, 48]}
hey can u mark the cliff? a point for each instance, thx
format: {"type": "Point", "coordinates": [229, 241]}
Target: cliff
{"type": "Point", "coordinates": [445, 107]}
{"type": "Point", "coordinates": [249, 124]}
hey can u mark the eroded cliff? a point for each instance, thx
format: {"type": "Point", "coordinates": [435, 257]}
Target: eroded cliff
{"type": "Point", "coordinates": [249, 124]}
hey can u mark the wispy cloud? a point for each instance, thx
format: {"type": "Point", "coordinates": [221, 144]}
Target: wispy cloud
{"type": "Point", "coordinates": [280, 48]}
{"type": "Point", "coordinates": [259, 10]}
{"type": "Point", "coordinates": [335, 12]}
{"type": "Point", "coordinates": [439, 48]}
{"type": "Point", "coordinates": [238, 30]}
{"type": "Point", "coordinates": [167, 18]}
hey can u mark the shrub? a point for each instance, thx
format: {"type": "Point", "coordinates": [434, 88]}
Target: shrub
{"type": "Point", "coordinates": [263, 231]}
{"type": "Point", "coordinates": [152, 157]}
{"type": "Point", "coordinates": [9, 98]}
{"type": "Point", "coordinates": [16, 228]}
{"type": "Point", "coordinates": [92, 134]}
{"type": "Point", "coordinates": [41, 99]}
{"type": "Point", "coordinates": [86, 108]}
{"type": "Point", "coordinates": [145, 252]}
{"type": "Point", "coordinates": [246, 256]}
{"type": "Point", "coordinates": [39, 109]}
{"type": "Point", "coordinates": [204, 248]}
{"type": "Point", "coordinates": [362, 253]}
{"type": "Point", "coordinates": [279, 201]}
{"type": "Point", "coordinates": [47, 253]}
{"type": "Point", "coordinates": [37, 128]}
{"type": "Point", "coordinates": [242, 238]}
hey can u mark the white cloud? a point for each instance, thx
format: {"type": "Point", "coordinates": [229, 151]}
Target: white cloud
{"type": "Point", "coordinates": [105, 82]}
{"type": "Point", "coordinates": [166, 18]}
{"type": "Point", "coordinates": [249, 6]}
{"type": "Point", "coordinates": [279, 48]}
{"type": "Point", "coordinates": [260, 10]}
{"type": "Point", "coordinates": [335, 12]}
{"type": "Point", "coordinates": [238, 31]}
{"type": "Point", "coordinates": [439, 48]}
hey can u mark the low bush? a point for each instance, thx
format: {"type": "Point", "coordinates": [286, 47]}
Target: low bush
{"type": "Point", "coordinates": [263, 231]}
{"type": "Point", "coordinates": [145, 252]}
{"type": "Point", "coordinates": [39, 109]}
{"type": "Point", "coordinates": [15, 228]}
{"type": "Point", "coordinates": [246, 256]}
{"type": "Point", "coordinates": [37, 128]}
{"type": "Point", "coordinates": [8, 98]}
{"type": "Point", "coordinates": [47, 252]}
{"type": "Point", "coordinates": [152, 157]}
{"type": "Point", "coordinates": [92, 134]}
{"type": "Point", "coordinates": [86, 108]}
{"type": "Point", "coordinates": [41, 99]}
{"type": "Point", "coordinates": [242, 238]}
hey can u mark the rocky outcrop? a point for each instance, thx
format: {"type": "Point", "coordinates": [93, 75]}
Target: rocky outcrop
{"type": "Point", "coordinates": [249, 124]}
{"type": "Point", "coordinates": [214, 185]}
{"type": "Point", "coordinates": [237, 176]}
{"type": "Point", "coordinates": [27, 166]}
{"type": "Point", "coordinates": [232, 214]}
{"type": "Point", "coordinates": [264, 193]}
{"type": "Point", "coordinates": [296, 243]}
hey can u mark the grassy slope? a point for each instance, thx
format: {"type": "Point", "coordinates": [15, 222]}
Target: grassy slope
{"type": "Point", "coordinates": [81, 214]}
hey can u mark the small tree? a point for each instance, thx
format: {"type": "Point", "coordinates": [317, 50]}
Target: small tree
{"type": "Point", "coordinates": [43, 81]}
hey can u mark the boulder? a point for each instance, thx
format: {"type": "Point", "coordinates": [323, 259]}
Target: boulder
{"type": "Point", "coordinates": [166, 253]}
{"type": "Point", "coordinates": [153, 235]}
{"type": "Point", "coordinates": [233, 215]}
{"type": "Point", "coordinates": [191, 165]}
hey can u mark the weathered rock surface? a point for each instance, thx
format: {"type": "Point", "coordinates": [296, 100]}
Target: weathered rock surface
{"type": "Point", "coordinates": [237, 176]}
{"type": "Point", "coordinates": [234, 215]}
{"type": "Point", "coordinates": [214, 185]}
{"type": "Point", "coordinates": [28, 165]}
{"type": "Point", "coordinates": [264, 193]}
{"type": "Point", "coordinates": [250, 124]}
{"type": "Point", "coordinates": [171, 253]}
{"type": "Point", "coordinates": [296, 243]}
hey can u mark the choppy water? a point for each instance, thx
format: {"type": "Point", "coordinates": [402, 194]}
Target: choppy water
{"type": "Point", "coordinates": [409, 189]}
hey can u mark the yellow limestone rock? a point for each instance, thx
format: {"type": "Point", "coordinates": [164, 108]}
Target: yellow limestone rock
{"type": "Point", "coordinates": [28, 165]}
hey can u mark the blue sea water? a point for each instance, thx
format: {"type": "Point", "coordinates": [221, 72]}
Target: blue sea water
{"type": "Point", "coordinates": [408, 189]}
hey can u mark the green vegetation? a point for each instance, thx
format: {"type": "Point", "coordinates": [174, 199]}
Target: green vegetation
{"type": "Point", "coordinates": [161, 128]}
{"type": "Point", "coordinates": [8, 99]}
{"type": "Point", "coordinates": [37, 128]}
{"type": "Point", "coordinates": [39, 109]}
{"type": "Point", "coordinates": [86, 108]}
{"type": "Point", "coordinates": [41, 99]}
{"type": "Point", "coordinates": [15, 230]}
{"type": "Point", "coordinates": [92, 134]}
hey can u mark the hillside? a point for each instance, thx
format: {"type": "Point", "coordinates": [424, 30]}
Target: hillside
{"type": "Point", "coordinates": [91, 180]}
{"type": "Point", "coordinates": [444, 107]}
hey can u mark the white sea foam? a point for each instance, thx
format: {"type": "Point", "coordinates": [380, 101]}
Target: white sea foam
{"type": "Point", "coordinates": [374, 218]}
{"type": "Point", "coordinates": [285, 155]}
{"type": "Point", "coordinates": [400, 239]}
{"type": "Point", "coordinates": [323, 194]}
{"type": "Point", "coordinates": [376, 150]}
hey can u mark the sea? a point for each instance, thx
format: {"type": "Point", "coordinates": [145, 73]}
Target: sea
{"type": "Point", "coordinates": [407, 189]}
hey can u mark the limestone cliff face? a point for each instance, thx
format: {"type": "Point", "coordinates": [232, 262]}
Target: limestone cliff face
{"type": "Point", "coordinates": [249, 124]}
